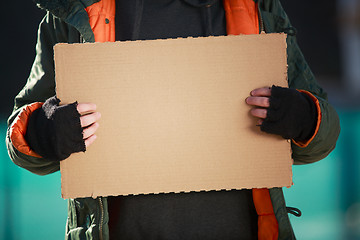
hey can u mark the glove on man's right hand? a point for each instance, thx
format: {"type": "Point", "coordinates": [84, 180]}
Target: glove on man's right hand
{"type": "Point", "coordinates": [54, 131]}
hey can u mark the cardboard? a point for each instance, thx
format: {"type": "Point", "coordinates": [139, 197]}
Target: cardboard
{"type": "Point", "coordinates": [174, 117]}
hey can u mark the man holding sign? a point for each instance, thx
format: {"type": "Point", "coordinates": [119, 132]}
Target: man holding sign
{"type": "Point", "coordinates": [42, 133]}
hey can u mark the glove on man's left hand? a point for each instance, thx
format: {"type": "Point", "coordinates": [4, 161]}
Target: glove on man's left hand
{"type": "Point", "coordinates": [291, 114]}
{"type": "Point", "coordinates": [54, 131]}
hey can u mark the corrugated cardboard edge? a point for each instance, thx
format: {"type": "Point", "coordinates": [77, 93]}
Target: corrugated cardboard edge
{"type": "Point", "coordinates": [59, 45]}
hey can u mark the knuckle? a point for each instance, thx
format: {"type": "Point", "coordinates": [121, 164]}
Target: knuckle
{"type": "Point", "coordinates": [264, 113]}
{"type": "Point", "coordinates": [261, 113]}
{"type": "Point", "coordinates": [266, 102]}
{"type": "Point", "coordinates": [263, 101]}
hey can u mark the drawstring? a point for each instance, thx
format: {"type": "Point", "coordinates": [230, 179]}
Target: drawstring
{"type": "Point", "coordinates": [206, 5]}
{"type": "Point", "coordinates": [294, 211]}
{"type": "Point", "coordinates": [139, 12]}
{"type": "Point", "coordinates": [209, 30]}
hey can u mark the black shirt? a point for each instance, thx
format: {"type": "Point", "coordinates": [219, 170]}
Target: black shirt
{"type": "Point", "coordinates": [155, 19]}
{"type": "Point", "coordinates": [196, 215]}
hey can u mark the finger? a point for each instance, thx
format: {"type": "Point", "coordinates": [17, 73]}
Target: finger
{"type": "Point", "coordinates": [264, 92]}
{"type": "Point", "coordinates": [86, 107]}
{"type": "Point", "coordinates": [259, 112]}
{"type": "Point", "coordinates": [90, 140]}
{"type": "Point", "coordinates": [258, 101]}
{"type": "Point", "coordinates": [90, 130]}
{"type": "Point", "coordinates": [87, 120]}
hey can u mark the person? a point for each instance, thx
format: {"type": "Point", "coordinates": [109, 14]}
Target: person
{"type": "Point", "coordinates": [42, 132]}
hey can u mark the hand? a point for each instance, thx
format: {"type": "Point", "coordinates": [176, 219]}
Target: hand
{"type": "Point", "coordinates": [260, 98]}
{"type": "Point", "coordinates": [56, 131]}
{"type": "Point", "coordinates": [88, 121]}
{"type": "Point", "coordinates": [284, 111]}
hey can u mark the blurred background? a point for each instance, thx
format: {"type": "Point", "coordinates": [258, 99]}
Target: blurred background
{"type": "Point", "coordinates": [327, 192]}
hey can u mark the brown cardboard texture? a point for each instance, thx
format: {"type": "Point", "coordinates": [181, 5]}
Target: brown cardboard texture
{"type": "Point", "coordinates": [174, 117]}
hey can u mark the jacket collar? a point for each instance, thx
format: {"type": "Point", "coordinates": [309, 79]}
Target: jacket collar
{"type": "Point", "coordinates": [72, 12]}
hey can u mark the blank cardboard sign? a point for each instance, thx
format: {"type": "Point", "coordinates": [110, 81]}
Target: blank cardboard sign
{"type": "Point", "coordinates": [174, 117]}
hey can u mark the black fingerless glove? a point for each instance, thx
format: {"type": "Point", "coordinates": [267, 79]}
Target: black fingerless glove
{"type": "Point", "coordinates": [291, 114]}
{"type": "Point", "coordinates": [54, 131]}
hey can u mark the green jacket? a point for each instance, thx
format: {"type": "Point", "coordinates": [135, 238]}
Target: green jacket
{"type": "Point", "coordinates": [67, 21]}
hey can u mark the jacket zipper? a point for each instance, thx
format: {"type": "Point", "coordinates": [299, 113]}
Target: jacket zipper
{"type": "Point", "coordinates": [101, 218]}
{"type": "Point", "coordinates": [261, 22]}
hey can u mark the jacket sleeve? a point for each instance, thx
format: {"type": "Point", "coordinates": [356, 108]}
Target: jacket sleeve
{"type": "Point", "coordinates": [39, 87]}
{"type": "Point", "coordinates": [301, 77]}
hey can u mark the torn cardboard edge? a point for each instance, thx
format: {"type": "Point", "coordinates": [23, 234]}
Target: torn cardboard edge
{"type": "Point", "coordinates": [182, 124]}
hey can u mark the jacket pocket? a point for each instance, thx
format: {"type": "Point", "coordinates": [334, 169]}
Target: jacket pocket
{"type": "Point", "coordinates": [78, 225]}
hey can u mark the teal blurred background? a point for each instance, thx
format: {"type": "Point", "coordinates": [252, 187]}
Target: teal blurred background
{"type": "Point", "coordinates": [31, 206]}
{"type": "Point", "coordinates": [327, 192]}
